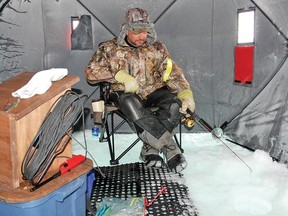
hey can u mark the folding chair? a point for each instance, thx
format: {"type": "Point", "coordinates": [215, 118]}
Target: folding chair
{"type": "Point", "coordinates": [108, 128]}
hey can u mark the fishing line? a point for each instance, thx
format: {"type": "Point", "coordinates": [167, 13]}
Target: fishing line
{"type": "Point", "coordinates": [205, 125]}
{"type": "Point", "coordinates": [202, 123]}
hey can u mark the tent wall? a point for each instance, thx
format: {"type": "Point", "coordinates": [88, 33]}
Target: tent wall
{"type": "Point", "coordinates": [263, 120]}
{"type": "Point", "coordinates": [200, 35]}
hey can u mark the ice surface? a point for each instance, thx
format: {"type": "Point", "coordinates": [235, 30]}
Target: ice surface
{"type": "Point", "coordinates": [222, 180]}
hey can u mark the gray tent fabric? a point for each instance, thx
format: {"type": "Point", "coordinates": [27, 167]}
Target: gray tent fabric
{"type": "Point", "coordinates": [276, 10]}
{"type": "Point", "coordinates": [200, 36]}
{"type": "Point", "coordinates": [264, 122]}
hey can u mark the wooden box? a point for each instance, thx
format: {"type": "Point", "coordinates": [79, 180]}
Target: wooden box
{"type": "Point", "coordinates": [19, 126]}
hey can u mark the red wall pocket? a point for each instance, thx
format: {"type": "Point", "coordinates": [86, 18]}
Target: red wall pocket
{"type": "Point", "coordinates": [244, 61]}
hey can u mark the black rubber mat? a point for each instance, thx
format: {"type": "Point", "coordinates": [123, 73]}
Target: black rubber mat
{"type": "Point", "coordinates": [136, 180]}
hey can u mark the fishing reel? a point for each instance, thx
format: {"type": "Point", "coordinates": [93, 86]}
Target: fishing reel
{"type": "Point", "coordinates": [188, 122]}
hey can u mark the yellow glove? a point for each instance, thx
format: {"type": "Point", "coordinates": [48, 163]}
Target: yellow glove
{"type": "Point", "coordinates": [186, 97]}
{"type": "Point", "coordinates": [129, 82]}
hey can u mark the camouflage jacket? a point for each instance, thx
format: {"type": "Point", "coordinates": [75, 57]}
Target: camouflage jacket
{"type": "Point", "coordinates": [147, 64]}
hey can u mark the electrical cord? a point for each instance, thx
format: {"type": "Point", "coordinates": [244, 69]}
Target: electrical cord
{"type": "Point", "coordinates": [52, 138]}
{"type": "Point", "coordinates": [97, 168]}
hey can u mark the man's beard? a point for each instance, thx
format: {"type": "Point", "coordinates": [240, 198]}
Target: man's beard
{"type": "Point", "coordinates": [135, 44]}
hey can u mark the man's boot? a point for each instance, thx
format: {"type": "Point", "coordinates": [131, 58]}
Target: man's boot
{"type": "Point", "coordinates": [174, 157]}
{"type": "Point", "coordinates": [150, 156]}
{"type": "Point", "coordinates": [156, 143]}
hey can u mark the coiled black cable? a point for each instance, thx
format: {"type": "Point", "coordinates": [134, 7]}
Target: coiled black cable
{"type": "Point", "coordinates": [51, 138]}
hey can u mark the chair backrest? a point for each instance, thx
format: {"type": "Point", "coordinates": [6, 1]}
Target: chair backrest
{"type": "Point", "coordinates": [104, 92]}
{"type": "Point", "coordinates": [109, 106]}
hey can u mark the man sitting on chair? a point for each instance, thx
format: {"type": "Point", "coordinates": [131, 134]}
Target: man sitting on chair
{"type": "Point", "coordinates": [143, 75]}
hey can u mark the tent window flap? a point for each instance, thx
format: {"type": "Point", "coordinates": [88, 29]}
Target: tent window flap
{"type": "Point", "coordinates": [244, 58]}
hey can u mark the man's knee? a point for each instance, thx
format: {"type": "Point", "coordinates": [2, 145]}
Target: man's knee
{"type": "Point", "coordinates": [132, 106]}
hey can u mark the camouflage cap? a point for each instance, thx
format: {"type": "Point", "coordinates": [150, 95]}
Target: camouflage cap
{"type": "Point", "coordinates": [137, 15]}
{"type": "Point", "coordinates": [137, 20]}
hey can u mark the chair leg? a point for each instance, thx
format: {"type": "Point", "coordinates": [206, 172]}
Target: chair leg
{"type": "Point", "coordinates": [179, 142]}
{"type": "Point", "coordinates": [104, 126]}
{"type": "Point", "coordinates": [110, 110]}
{"type": "Point", "coordinates": [116, 161]}
{"type": "Point", "coordinates": [110, 144]}
{"type": "Point", "coordinates": [110, 138]}
{"type": "Point", "coordinates": [110, 135]}
{"type": "Point", "coordinates": [102, 138]}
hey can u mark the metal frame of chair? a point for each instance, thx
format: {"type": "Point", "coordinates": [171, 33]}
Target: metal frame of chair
{"type": "Point", "coordinates": [108, 128]}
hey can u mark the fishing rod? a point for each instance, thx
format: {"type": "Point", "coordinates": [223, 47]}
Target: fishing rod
{"type": "Point", "coordinates": [216, 132]}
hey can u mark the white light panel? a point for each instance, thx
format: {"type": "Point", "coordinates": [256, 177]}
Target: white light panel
{"type": "Point", "coordinates": [74, 22]}
{"type": "Point", "coordinates": [246, 26]}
